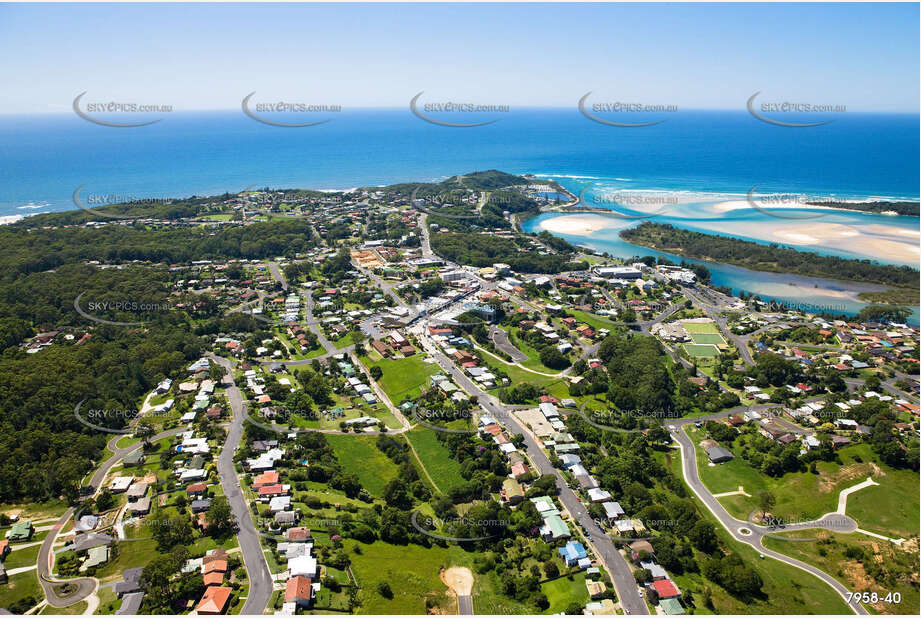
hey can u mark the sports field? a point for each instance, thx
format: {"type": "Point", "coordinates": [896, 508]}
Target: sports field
{"type": "Point", "coordinates": [702, 350]}
{"type": "Point", "coordinates": [704, 338]}
{"type": "Point", "coordinates": [703, 328]}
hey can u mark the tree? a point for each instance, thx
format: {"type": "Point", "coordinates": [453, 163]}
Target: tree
{"type": "Point", "coordinates": [766, 500]}
{"type": "Point", "coordinates": [376, 372]}
{"type": "Point", "coordinates": [219, 517]}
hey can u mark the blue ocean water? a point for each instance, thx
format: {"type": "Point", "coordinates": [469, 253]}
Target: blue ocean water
{"type": "Point", "coordinates": [44, 159]}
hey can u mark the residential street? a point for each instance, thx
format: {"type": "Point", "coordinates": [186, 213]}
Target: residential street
{"type": "Point", "coordinates": [260, 579]}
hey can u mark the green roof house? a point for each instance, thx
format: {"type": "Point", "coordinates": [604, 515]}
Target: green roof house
{"type": "Point", "coordinates": [21, 531]}
{"type": "Point", "coordinates": [671, 607]}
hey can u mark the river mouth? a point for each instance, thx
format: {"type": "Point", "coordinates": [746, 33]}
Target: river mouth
{"type": "Point", "coordinates": [600, 232]}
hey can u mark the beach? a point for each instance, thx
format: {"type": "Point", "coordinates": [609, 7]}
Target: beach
{"type": "Point", "coordinates": [580, 225]}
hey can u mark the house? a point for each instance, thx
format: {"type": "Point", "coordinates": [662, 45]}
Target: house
{"type": "Point", "coordinates": [20, 531]}
{"type": "Point", "coordinates": [839, 441]}
{"type": "Point", "coordinates": [200, 506]}
{"type": "Point", "coordinates": [671, 607]}
{"type": "Point", "coordinates": [572, 553]}
{"type": "Point", "coordinates": [136, 491]}
{"type": "Point", "coordinates": [285, 518]}
{"type": "Point", "coordinates": [213, 572]}
{"type": "Point", "coordinates": [612, 510]}
{"type": "Point", "coordinates": [656, 571]}
{"type": "Point", "coordinates": [598, 495]}
{"type": "Point", "coordinates": [637, 547]}
{"type": "Point", "coordinates": [131, 604]}
{"type": "Point", "coordinates": [511, 490]}
{"type": "Point", "coordinates": [520, 469]}
{"type": "Point", "coordinates": [554, 528]}
{"type": "Point", "coordinates": [214, 601]}
{"type": "Point", "coordinates": [196, 490]}
{"type": "Point", "coordinates": [299, 590]}
{"type": "Point", "coordinates": [140, 507]}
{"type": "Point", "coordinates": [130, 583]}
{"type": "Point", "coordinates": [4, 549]}
{"type": "Point", "coordinates": [666, 589]}
{"type": "Point", "coordinates": [95, 557]}
{"type": "Point", "coordinates": [718, 454]}
{"type": "Point", "coordinates": [595, 589]}
{"type": "Point", "coordinates": [120, 484]}
{"type": "Point", "coordinates": [298, 535]}
{"type": "Point", "coordinates": [305, 566]}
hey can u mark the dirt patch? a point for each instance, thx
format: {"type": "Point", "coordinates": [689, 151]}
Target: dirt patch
{"type": "Point", "coordinates": [150, 478]}
{"type": "Point", "coordinates": [854, 472]}
{"type": "Point", "coordinates": [459, 580]}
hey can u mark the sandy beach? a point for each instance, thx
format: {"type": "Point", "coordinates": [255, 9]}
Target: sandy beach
{"type": "Point", "coordinates": [580, 225]}
{"type": "Point", "coordinates": [878, 241]}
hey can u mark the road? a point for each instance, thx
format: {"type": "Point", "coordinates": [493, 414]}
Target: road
{"type": "Point", "coordinates": [85, 585]}
{"type": "Point", "coordinates": [260, 579]}
{"type": "Point", "coordinates": [465, 605]}
{"type": "Point", "coordinates": [278, 275]}
{"type": "Point", "coordinates": [500, 338]}
{"type": "Point", "coordinates": [755, 534]}
{"type": "Point", "coordinates": [614, 563]}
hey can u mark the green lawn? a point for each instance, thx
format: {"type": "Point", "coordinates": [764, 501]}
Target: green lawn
{"type": "Point", "coordinates": [701, 327]}
{"type": "Point", "coordinates": [21, 557]}
{"type": "Point", "coordinates": [19, 587]}
{"type": "Point", "coordinates": [403, 377]}
{"type": "Point", "coordinates": [891, 509]}
{"type": "Point", "coordinates": [444, 470]}
{"type": "Point", "coordinates": [358, 455]}
{"type": "Point", "coordinates": [562, 592]}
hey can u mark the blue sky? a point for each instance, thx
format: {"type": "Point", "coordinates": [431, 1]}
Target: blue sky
{"type": "Point", "coordinates": [208, 56]}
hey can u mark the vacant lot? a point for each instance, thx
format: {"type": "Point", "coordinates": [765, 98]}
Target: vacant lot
{"type": "Point", "coordinates": [444, 470]}
{"type": "Point", "coordinates": [358, 455]}
{"type": "Point", "coordinates": [403, 377]}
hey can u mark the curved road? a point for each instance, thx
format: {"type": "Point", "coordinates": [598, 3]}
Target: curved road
{"type": "Point", "coordinates": [757, 533]}
{"type": "Point", "coordinates": [85, 585]}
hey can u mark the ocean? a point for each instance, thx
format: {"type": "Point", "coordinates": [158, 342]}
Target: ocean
{"type": "Point", "coordinates": [706, 157]}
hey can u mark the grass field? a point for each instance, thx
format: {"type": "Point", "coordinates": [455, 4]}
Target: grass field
{"type": "Point", "coordinates": [444, 470]}
{"type": "Point", "coordinates": [891, 509]}
{"type": "Point", "coordinates": [701, 350]}
{"type": "Point", "coordinates": [412, 572]}
{"type": "Point", "coordinates": [403, 377]}
{"type": "Point", "coordinates": [357, 454]}
{"type": "Point", "coordinates": [787, 590]}
{"type": "Point", "coordinates": [700, 328]}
